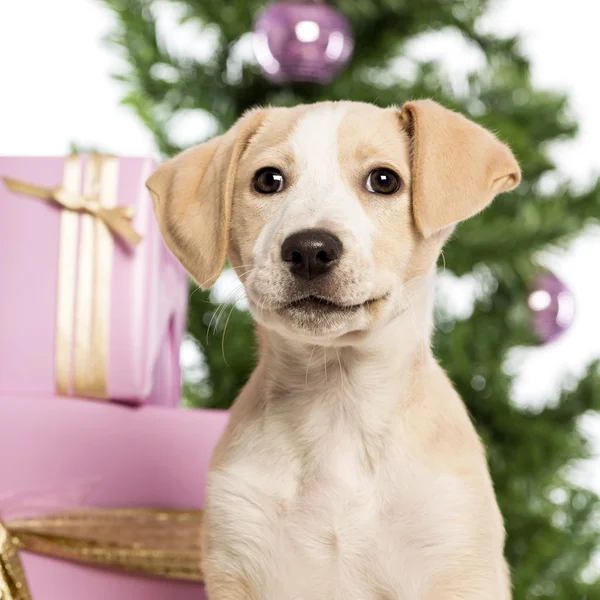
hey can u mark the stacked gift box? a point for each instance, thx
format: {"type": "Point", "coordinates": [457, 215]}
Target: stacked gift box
{"type": "Point", "coordinates": [101, 472]}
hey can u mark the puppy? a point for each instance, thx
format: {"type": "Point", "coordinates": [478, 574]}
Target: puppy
{"type": "Point", "coordinates": [350, 468]}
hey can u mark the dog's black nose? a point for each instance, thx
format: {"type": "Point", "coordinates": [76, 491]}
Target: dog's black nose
{"type": "Point", "coordinates": [311, 252]}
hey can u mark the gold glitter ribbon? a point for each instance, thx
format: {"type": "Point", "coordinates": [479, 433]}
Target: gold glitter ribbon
{"type": "Point", "coordinates": [85, 257]}
{"type": "Point", "coordinates": [143, 541]}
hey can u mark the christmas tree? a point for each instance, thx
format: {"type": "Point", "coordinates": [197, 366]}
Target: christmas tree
{"type": "Point", "coordinates": [552, 536]}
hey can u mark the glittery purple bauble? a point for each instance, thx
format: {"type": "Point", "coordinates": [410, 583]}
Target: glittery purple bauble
{"type": "Point", "coordinates": [552, 306]}
{"type": "Point", "coordinates": [302, 42]}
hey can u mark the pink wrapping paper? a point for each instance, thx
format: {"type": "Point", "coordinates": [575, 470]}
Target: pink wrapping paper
{"type": "Point", "coordinates": [68, 454]}
{"type": "Point", "coordinates": [147, 297]}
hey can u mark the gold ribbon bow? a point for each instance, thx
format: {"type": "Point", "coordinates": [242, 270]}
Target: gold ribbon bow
{"type": "Point", "coordinates": [144, 541]}
{"type": "Point", "coordinates": [117, 219]}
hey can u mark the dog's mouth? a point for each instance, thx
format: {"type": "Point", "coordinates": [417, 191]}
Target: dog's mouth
{"type": "Point", "coordinates": [321, 305]}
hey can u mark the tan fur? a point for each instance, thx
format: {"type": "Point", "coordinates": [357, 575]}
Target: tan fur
{"type": "Point", "coordinates": [349, 468]}
{"type": "Point", "coordinates": [192, 196]}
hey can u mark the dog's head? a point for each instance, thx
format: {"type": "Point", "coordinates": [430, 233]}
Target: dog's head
{"type": "Point", "coordinates": [328, 212]}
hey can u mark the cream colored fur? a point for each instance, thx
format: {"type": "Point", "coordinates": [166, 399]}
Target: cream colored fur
{"type": "Point", "coordinates": [350, 468]}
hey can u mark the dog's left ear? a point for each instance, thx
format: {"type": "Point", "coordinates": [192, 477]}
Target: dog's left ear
{"type": "Point", "coordinates": [457, 166]}
{"type": "Point", "coordinates": [192, 195]}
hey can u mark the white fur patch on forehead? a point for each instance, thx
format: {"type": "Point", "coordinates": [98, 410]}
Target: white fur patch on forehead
{"type": "Point", "coordinates": [314, 140]}
{"type": "Point", "coordinates": [321, 196]}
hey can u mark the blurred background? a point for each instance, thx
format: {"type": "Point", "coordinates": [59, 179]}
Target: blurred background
{"type": "Point", "coordinates": [518, 317]}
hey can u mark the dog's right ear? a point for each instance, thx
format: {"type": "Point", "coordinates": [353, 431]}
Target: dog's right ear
{"type": "Point", "coordinates": [458, 167]}
{"type": "Point", "coordinates": [192, 195]}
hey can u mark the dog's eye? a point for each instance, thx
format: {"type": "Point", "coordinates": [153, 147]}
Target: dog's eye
{"type": "Point", "coordinates": [383, 181]}
{"type": "Point", "coordinates": [268, 181]}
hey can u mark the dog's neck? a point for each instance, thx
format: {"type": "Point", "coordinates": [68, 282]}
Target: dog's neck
{"type": "Point", "coordinates": [367, 379]}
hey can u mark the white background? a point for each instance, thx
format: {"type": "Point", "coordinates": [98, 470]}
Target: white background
{"type": "Point", "coordinates": [55, 88]}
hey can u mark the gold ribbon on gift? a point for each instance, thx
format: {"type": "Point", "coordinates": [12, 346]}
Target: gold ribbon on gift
{"type": "Point", "coordinates": [143, 541]}
{"type": "Point", "coordinates": [89, 222]}
{"type": "Point", "coordinates": [117, 219]}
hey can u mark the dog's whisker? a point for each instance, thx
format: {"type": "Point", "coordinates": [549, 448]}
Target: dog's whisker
{"type": "Point", "coordinates": [245, 267]}
{"type": "Point", "coordinates": [443, 259]}
{"type": "Point", "coordinates": [245, 271]}
{"type": "Point", "coordinates": [218, 323]}
{"type": "Point", "coordinates": [196, 289]}
{"type": "Point", "coordinates": [232, 300]}
{"type": "Point", "coordinates": [223, 336]}
{"type": "Point", "coordinates": [243, 276]}
{"type": "Point", "coordinates": [217, 308]}
{"type": "Point", "coordinates": [222, 306]}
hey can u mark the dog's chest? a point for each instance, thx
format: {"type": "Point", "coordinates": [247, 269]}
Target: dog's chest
{"type": "Point", "coordinates": [339, 526]}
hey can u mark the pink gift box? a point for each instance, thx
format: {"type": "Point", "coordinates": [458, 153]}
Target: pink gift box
{"type": "Point", "coordinates": [69, 454]}
{"type": "Point", "coordinates": [82, 311]}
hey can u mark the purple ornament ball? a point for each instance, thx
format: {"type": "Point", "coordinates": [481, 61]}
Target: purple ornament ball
{"type": "Point", "coordinates": [552, 306]}
{"type": "Point", "coordinates": [295, 41]}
